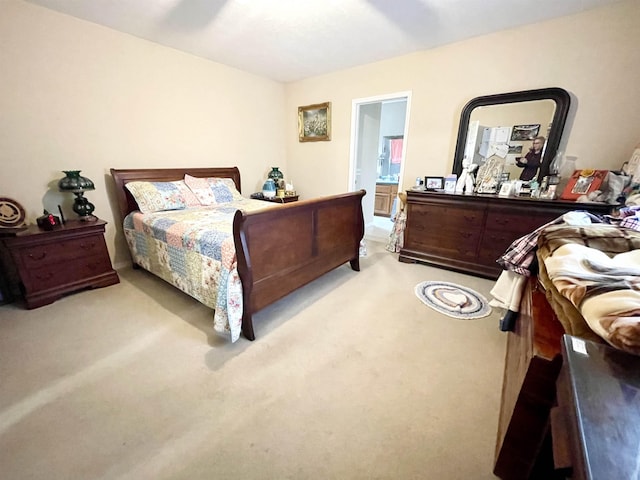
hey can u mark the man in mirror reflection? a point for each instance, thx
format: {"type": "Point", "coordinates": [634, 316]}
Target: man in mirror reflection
{"type": "Point", "coordinates": [532, 160]}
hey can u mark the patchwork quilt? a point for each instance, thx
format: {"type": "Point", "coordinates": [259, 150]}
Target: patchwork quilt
{"type": "Point", "coordinates": [193, 250]}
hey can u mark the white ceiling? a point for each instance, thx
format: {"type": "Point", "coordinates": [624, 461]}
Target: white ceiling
{"type": "Point", "coordinates": [289, 40]}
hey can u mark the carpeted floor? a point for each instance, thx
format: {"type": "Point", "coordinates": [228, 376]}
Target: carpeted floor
{"type": "Point", "coordinates": [351, 377]}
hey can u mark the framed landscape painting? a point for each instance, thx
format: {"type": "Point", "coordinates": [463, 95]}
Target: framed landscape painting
{"type": "Point", "coordinates": [314, 122]}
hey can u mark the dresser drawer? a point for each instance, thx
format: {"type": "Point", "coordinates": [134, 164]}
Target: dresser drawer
{"type": "Point", "coordinates": [453, 219]}
{"type": "Point", "coordinates": [494, 243]}
{"type": "Point", "coordinates": [77, 270]}
{"type": "Point", "coordinates": [519, 224]}
{"type": "Point", "coordinates": [442, 241]}
{"type": "Point", "coordinates": [36, 256]}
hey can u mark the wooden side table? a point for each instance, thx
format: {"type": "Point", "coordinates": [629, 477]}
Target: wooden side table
{"type": "Point", "coordinates": [292, 198]}
{"type": "Point", "coordinates": [50, 264]}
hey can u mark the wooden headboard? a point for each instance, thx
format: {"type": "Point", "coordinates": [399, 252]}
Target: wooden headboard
{"type": "Point", "coordinates": [126, 202]}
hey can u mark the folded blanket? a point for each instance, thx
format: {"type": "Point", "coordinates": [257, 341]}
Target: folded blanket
{"type": "Point", "coordinates": [605, 289]}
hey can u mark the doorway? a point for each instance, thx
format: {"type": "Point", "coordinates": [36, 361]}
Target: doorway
{"type": "Point", "coordinates": [379, 128]}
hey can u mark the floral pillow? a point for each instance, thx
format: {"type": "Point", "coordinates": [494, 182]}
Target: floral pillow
{"type": "Point", "coordinates": [200, 188]}
{"type": "Point", "coordinates": [211, 191]}
{"type": "Point", "coordinates": [159, 196]}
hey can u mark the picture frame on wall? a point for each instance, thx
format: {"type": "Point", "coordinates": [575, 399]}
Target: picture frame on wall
{"type": "Point", "coordinates": [524, 132]}
{"type": "Point", "coordinates": [314, 122]}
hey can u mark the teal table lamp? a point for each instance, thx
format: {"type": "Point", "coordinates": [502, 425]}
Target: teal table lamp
{"type": "Point", "coordinates": [75, 183]}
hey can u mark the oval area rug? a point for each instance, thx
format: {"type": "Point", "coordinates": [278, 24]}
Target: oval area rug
{"type": "Point", "coordinates": [453, 300]}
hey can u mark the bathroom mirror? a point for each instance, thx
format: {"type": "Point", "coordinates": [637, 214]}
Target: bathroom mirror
{"type": "Point", "coordinates": [525, 115]}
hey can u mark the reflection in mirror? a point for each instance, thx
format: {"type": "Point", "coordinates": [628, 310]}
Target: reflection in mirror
{"type": "Point", "coordinates": [500, 130]}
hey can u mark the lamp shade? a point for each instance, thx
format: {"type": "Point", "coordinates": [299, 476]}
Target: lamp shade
{"type": "Point", "coordinates": [74, 182]}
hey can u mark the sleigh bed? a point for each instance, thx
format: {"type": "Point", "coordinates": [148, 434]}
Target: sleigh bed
{"type": "Point", "coordinates": [250, 254]}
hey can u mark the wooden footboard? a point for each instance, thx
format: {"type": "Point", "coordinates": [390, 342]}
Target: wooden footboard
{"type": "Point", "coordinates": [282, 249]}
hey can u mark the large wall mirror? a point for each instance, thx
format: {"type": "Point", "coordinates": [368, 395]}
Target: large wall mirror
{"type": "Point", "coordinates": [504, 127]}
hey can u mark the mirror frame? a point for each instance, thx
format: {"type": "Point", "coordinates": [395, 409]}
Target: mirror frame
{"type": "Point", "coordinates": [559, 95]}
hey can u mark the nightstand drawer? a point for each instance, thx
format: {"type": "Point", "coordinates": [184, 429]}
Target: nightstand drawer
{"type": "Point", "coordinates": [49, 276]}
{"type": "Point", "coordinates": [52, 253]}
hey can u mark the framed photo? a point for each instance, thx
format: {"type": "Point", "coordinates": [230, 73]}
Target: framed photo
{"type": "Point", "coordinates": [506, 189]}
{"type": "Point", "coordinates": [433, 183]}
{"type": "Point", "coordinates": [524, 132]}
{"type": "Point", "coordinates": [314, 122]}
{"type": "Point", "coordinates": [450, 182]}
{"type": "Point", "coordinates": [583, 182]}
{"type": "Point", "coordinates": [515, 149]}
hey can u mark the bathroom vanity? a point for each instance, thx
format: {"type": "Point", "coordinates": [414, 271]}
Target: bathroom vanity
{"type": "Point", "coordinates": [385, 195]}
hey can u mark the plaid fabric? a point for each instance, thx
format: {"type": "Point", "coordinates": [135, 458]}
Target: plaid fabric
{"type": "Point", "coordinates": [521, 255]}
{"type": "Point", "coordinates": [631, 222]}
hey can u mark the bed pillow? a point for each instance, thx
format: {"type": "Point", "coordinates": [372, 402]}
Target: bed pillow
{"type": "Point", "coordinates": [159, 196]}
{"type": "Point", "coordinates": [200, 188]}
{"type": "Point", "coordinates": [211, 191]}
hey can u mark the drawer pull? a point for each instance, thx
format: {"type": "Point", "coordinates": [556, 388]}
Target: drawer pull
{"type": "Point", "coordinates": [84, 246]}
{"type": "Point", "coordinates": [466, 234]}
{"type": "Point", "coordinates": [38, 256]}
{"type": "Point", "coordinates": [44, 276]}
{"type": "Point", "coordinates": [502, 221]}
{"type": "Point", "coordinates": [469, 218]}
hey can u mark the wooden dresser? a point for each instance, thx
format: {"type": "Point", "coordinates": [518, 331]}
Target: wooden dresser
{"type": "Point", "coordinates": [48, 264]}
{"type": "Point", "coordinates": [595, 425]}
{"type": "Point", "coordinates": [532, 365]}
{"type": "Point", "coordinates": [468, 233]}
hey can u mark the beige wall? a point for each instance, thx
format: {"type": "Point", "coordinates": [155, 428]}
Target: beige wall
{"type": "Point", "coordinates": [75, 95]}
{"type": "Point", "coordinates": [593, 55]}
{"type": "Point", "coordinates": [79, 96]}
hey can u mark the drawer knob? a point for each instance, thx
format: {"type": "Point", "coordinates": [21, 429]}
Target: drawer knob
{"type": "Point", "coordinates": [502, 221]}
{"type": "Point", "coordinates": [37, 256]}
{"type": "Point", "coordinates": [469, 218]}
{"type": "Point", "coordinates": [465, 234]}
{"type": "Point", "coordinates": [85, 246]}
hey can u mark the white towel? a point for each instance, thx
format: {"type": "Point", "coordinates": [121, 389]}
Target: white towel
{"type": "Point", "coordinates": [507, 292]}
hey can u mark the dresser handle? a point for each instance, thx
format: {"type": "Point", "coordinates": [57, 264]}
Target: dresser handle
{"type": "Point", "coordinates": [465, 234]}
{"type": "Point", "coordinates": [38, 257]}
{"type": "Point", "coordinates": [87, 247]}
{"type": "Point", "coordinates": [502, 221]}
{"type": "Point", "coordinates": [469, 218]}
{"type": "Point", "coordinates": [45, 276]}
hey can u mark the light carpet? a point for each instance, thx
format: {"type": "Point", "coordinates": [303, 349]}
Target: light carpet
{"type": "Point", "coordinates": [346, 380]}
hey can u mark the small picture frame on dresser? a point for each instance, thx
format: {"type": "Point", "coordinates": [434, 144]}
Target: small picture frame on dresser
{"type": "Point", "coordinates": [432, 184]}
{"type": "Point", "coordinates": [450, 182]}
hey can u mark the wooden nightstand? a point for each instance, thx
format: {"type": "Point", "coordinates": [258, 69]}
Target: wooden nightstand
{"type": "Point", "coordinates": [287, 199]}
{"type": "Point", "coordinates": [50, 264]}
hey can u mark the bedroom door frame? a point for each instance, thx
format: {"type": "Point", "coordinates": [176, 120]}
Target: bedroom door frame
{"type": "Point", "coordinates": [356, 159]}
